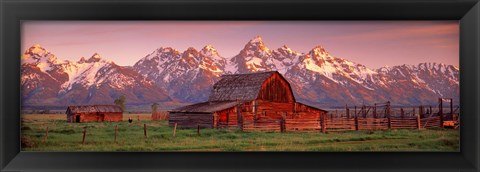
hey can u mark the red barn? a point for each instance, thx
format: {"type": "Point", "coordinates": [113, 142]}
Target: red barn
{"type": "Point", "coordinates": [94, 113]}
{"type": "Point", "coordinates": [244, 98]}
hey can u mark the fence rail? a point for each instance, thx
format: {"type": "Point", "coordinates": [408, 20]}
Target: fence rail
{"type": "Point", "coordinates": [265, 125]}
{"type": "Point", "coordinates": [325, 124]}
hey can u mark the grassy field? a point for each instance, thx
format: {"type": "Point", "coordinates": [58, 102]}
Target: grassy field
{"type": "Point", "coordinates": [63, 136]}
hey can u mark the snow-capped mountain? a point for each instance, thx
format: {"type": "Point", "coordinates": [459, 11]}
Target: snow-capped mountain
{"type": "Point", "coordinates": [317, 77]}
{"type": "Point", "coordinates": [255, 57]}
{"type": "Point", "coordinates": [187, 76]}
{"type": "Point", "coordinates": [45, 80]}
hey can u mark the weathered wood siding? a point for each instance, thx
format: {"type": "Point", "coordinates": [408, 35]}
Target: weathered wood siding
{"type": "Point", "coordinates": [261, 115]}
{"type": "Point", "coordinates": [191, 120]}
{"type": "Point", "coordinates": [227, 118]}
{"type": "Point", "coordinates": [113, 117]}
{"type": "Point", "coordinates": [276, 89]}
{"type": "Point", "coordinates": [95, 117]}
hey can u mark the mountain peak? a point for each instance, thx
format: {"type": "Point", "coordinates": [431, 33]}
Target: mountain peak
{"type": "Point", "coordinates": [167, 50]}
{"type": "Point", "coordinates": [256, 39]}
{"type": "Point", "coordinates": [319, 51]}
{"type": "Point", "coordinates": [209, 50]}
{"type": "Point", "coordinates": [82, 60]}
{"type": "Point", "coordinates": [191, 49]}
{"type": "Point", "coordinates": [256, 45]}
{"type": "Point", "coordinates": [95, 58]}
{"type": "Point", "coordinates": [209, 47]}
{"type": "Point", "coordinates": [36, 49]}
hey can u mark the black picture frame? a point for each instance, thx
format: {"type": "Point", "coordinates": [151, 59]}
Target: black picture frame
{"type": "Point", "coordinates": [14, 11]}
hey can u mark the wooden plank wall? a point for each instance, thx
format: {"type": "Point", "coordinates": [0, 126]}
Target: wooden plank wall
{"type": "Point", "coordinates": [227, 118]}
{"type": "Point", "coordinates": [191, 120]}
{"type": "Point", "coordinates": [276, 89]}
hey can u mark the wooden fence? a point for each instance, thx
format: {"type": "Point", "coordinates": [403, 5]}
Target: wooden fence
{"type": "Point", "coordinates": [265, 125]}
{"type": "Point", "coordinates": [339, 124]}
{"type": "Point", "coordinates": [302, 125]}
{"type": "Point", "coordinates": [326, 124]}
{"type": "Point", "coordinates": [404, 123]}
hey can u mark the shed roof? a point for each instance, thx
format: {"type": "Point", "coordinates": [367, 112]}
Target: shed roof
{"type": "Point", "coordinates": [94, 108]}
{"type": "Point", "coordinates": [239, 86]}
{"type": "Point", "coordinates": [207, 107]}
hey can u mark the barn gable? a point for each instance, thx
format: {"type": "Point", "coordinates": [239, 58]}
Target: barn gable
{"type": "Point", "coordinates": [246, 87]}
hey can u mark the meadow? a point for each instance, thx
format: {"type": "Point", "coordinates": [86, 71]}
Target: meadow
{"type": "Point", "coordinates": [63, 136]}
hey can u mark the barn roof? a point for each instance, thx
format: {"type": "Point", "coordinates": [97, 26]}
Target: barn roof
{"type": "Point", "coordinates": [239, 86]}
{"type": "Point", "coordinates": [94, 108]}
{"type": "Point", "coordinates": [207, 107]}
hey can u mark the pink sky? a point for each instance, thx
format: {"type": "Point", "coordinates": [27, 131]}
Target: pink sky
{"type": "Point", "coordinates": [372, 43]}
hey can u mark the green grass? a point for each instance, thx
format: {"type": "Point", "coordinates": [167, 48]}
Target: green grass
{"type": "Point", "coordinates": [65, 136]}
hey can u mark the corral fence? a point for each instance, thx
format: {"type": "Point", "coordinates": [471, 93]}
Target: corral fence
{"type": "Point", "coordinates": [325, 124]}
{"type": "Point", "coordinates": [380, 116]}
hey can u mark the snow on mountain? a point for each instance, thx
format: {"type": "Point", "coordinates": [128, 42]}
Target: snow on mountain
{"type": "Point", "coordinates": [256, 57]}
{"type": "Point", "coordinates": [48, 81]}
{"type": "Point", "coordinates": [317, 77]}
{"type": "Point", "coordinates": [40, 57]}
{"type": "Point", "coordinates": [187, 76]}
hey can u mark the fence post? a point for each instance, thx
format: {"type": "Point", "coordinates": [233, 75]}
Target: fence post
{"type": "Point", "coordinates": [322, 119]}
{"type": "Point", "coordinates": [198, 129]}
{"type": "Point", "coordinates": [355, 112]}
{"type": "Point", "coordinates": [348, 111]}
{"type": "Point", "coordinates": [84, 134]}
{"type": "Point", "coordinates": [115, 138]}
{"type": "Point", "coordinates": [402, 114]}
{"type": "Point", "coordinates": [451, 107]}
{"type": "Point", "coordinates": [387, 111]}
{"type": "Point", "coordinates": [356, 122]}
{"type": "Point", "coordinates": [389, 122]}
{"type": "Point", "coordinates": [145, 130]}
{"type": "Point", "coordinates": [418, 122]}
{"type": "Point", "coordinates": [174, 129]}
{"type": "Point", "coordinates": [375, 110]}
{"type": "Point", "coordinates": [215, 118]}
{"type": "Point", "coordinates": [440, 111]}
{"type": "Point", "coordinates": [45, 139]}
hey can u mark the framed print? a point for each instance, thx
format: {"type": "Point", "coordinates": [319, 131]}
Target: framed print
{"type": "Point", "coordinates": [204, 85]}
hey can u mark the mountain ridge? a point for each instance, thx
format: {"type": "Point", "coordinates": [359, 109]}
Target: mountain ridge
{"type": "Point", "coordinates": [317, 77]}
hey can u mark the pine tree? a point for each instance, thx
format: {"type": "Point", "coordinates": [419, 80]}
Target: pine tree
{"type": "Point", "coordinates": [154, 107]}
{"type": "Point", "coordinates": [120, 101]}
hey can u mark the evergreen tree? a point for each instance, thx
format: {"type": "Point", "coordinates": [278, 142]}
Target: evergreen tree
{"type": "Point", "coordinates": [154, 107]}
{"type": "Point", "coordinates": [120, 101]}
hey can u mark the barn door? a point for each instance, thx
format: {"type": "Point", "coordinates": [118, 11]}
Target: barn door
{"type": "Point", "coordinates": [77, 118]}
